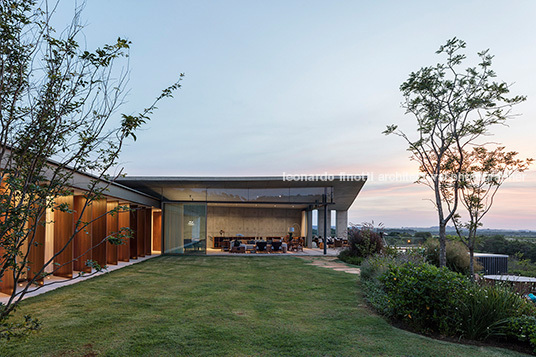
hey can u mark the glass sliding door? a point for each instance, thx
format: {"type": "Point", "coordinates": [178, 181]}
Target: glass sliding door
{"type": "Point", "coordinates": [185, 228]}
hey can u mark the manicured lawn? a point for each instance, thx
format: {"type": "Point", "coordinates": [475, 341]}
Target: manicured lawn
{"type": "Point", "coordinates": [220, 306]}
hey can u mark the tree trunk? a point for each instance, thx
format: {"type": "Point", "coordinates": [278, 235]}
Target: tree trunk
{"type": "Point", "coordinates": [471, 264]}
{"type": "Point", "coordinates": [442, 245]}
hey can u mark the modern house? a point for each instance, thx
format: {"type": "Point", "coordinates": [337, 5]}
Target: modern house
{"type": "Point", "coordinates": [184, 215]}
{"type": "Point", "coordinates": [199, 211]}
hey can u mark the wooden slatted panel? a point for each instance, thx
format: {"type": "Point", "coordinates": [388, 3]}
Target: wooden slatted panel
{"type": "Point", "coordinates": [134, 228]}
{"type": "Point", "coordinates": [123, 218]}
{"type": "Point", "coordinates": [148, 228]}
{"type": "Point", "coordinates": [111, 229]}
{"type": "Point", "coordinates": [140, 238]}
{"type": "Point", "coordinates": [98, 252]}
{"type": "Point", "coordinates": [36, 247]}
{"type": "Point", "coordinates": [63, 232]}
{"type": "Point", "coordinates": [83, 239]}
{"type": "Point", "coordinates": [157, 231]}
{"type": "Point", "coordinates": [7, 282]}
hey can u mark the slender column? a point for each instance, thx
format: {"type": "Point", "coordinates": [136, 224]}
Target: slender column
{"type": "Point", "coordinates": [7, 281]}
{"type": "Point", "coordinates": [63, 232]}
{"type": "Point", "coordinates": [111, 230]}
{"type": "Point", "coordinates": [157, 231]}
{"type": "Point", "coordinates": [140, 231]}
{"type": "Point", "coordinates": [36, 248]}
{"type": "Point", "coordinates": [342, 224]}
{"type": "Point", "coordinates": [148, 229]}
{"type": "Point", "coordinates": [83, 239]}
{"type": "Point", "coordinates": [134, 228]}
{"type": "Point", "coordinates": [123, 218]}
{"type": "Point", "coordinates": [99, 232]}
{"type": "Point", "coordinates": [309, 228]}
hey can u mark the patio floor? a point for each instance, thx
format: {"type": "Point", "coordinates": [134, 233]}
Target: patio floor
{"type": "Point", "coordinates": [332, 252]}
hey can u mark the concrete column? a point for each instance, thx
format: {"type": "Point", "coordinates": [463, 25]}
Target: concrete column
{"type": "Point", "coordinates": [342, 224]}
{"type": "Point", "coordinates": [321, 223]}
{"type": "Point", "coordinates": [309, 228]}
{"type": "Point", "coordinates": [328, 234]}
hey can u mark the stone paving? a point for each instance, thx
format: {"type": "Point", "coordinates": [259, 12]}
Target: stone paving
{"type": "Point", "coordinates": [331, 263]}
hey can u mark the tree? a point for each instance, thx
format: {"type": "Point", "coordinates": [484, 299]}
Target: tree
{"type": "Point", "coordinates": [58, 106]}
{"type": "Point", "coordinates": [453, 108]}
{"type": "Point", "coordinates": [483, 173]}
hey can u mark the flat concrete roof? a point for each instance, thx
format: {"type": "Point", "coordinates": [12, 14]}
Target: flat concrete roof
{"type": "Point", "coordinates": [345, 188]}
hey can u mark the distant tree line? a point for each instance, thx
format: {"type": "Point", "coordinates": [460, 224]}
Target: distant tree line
{"type": "Point", "coordinates": [498, 244]}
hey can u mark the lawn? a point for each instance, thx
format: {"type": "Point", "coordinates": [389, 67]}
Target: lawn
{"type": "Point", "coordinates": [220, 306]}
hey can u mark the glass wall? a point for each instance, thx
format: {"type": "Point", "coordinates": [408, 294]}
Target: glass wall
{"type": "Point", "coordinates": [185, 227]}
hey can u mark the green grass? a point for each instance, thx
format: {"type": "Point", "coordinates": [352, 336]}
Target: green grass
{"type": "Point", "coordinates": [220, 306]}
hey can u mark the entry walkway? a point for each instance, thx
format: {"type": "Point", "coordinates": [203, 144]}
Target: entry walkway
{"type": "Point", "coordinates": [331, 263]}
{"type": "Point", "coordinates": [54, 282]}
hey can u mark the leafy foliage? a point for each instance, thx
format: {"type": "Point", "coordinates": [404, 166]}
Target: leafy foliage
{"type": "Point", "coordinates": [458, 259]}
{"type": "Point", "coordinates": [453, 106]}
{"type": "Point", "coordinates": [363, 240]}
{"type": "Point", "coordinates": [437, 300]}
{"type": "Point", "coordinates": [518, 328]}
{"type": "Point", "coordinates": [482, 307]}
{"type": "Point", "coordinates": [58, 105]}
{"type": "Point", "coordinates": [424, 296]}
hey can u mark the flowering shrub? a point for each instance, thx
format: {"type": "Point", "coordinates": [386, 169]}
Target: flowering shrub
{"type": "Point", "coordinates": [520, 328]}
{"type": "Point", "coordinates": [483, 307]}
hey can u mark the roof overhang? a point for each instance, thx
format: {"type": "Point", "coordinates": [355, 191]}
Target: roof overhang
{"type": "Point", "coordinates": [345, 188]}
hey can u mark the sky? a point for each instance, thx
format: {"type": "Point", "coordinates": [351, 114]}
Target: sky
{"type": "Point", "coordinates": [307, 87]}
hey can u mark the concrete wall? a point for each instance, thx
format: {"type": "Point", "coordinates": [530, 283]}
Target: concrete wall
{"type": "Point", "coordinates": [252, 222]}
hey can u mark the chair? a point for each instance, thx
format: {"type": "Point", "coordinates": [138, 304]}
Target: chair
{"type": "Point", "coordinates": [276, 246]}
{"type": "Point", "coordinates": [225, 245]}
{"type": "Point", "coordinates": [239, 249]}
{"type": "Point", "coordinates": [261, 246]}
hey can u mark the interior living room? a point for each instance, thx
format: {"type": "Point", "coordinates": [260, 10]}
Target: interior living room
{"type": "Point", "coordinates": [215, 215]}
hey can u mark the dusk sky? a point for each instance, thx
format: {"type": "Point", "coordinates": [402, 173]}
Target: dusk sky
{"type": "Point", "coordinates": [307, 87]}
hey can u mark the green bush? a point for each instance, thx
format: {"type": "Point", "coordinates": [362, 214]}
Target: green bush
{"type": "Point", "coordinates": [371, 270]}
{"type": "Point", "coordinates": [347, 257]}
{"type": "Point", "coordinates": [482, 307]}
{"type": "Point", "coordinates": [457, 256]}
{"type": "Point", "coordinates": [375, 266]}
{"type": "Point", "coordinates": [433, 300]}
{"type": "Point", "coordinates": [424, 296]}
{"type": "Point", "coordinates": [363, 241]}
{"type": "Point", "coordinates": [520, 328]}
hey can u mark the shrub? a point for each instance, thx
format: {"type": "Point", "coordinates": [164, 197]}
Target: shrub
{"type": "Point", "coordinates": [520, 328]}
{"type": "Point", "coordinates": [424, 296]}
{"type": "Point", "coordinates": [457, 256]}
{"type": "Point", "coordinates": [363, 241]}
{"type": "Point", "coordinates": [375, 266]}
{"type": "Point", "coordinates": [484, 306]}
{"type": "Point", "coordinates": [347, 257]}
{"type": "Point", "coordinates": [371, 270]}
